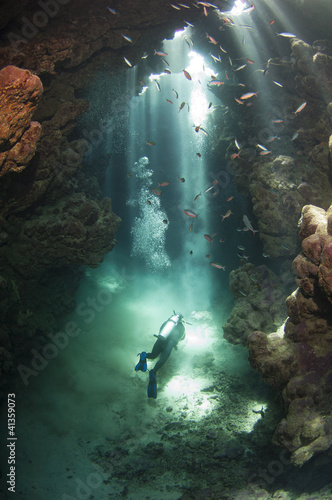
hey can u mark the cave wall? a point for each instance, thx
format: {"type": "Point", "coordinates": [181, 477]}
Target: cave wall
{"type": "Point", "coordinates": [53, 218]}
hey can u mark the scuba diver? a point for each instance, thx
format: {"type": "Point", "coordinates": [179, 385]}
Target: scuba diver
{"type": "Point", "coordinates": [170, 333]}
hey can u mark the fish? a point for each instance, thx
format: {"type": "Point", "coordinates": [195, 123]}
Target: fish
{"type": "Point", "coordinates": [216, 59]}
{"type": "Point", "coordinates": [266, 152]}
{"type": "Point", "coordinates": [212, 40]}
{"type": "Point", "coordinates": [227, 214]}
{"type": "Point", "coordinates": [186, 74]}
{"type": "Point", "coordinates": [240, 247]}
{"type": "Point", "coordinates": [208, 237]}
{"type": "Point", "coordinates": [217, 265]}
{"type": "Point", "coordinates": [245, 257]}
{"type": "Point", "coordinates": [201, 129]}
{"type": "Point", "coordinates": [248, 9]}
{"type": "Point", "coordinates": [163, 183]}
{"type": "Point", "coordinates": [207, 4]}
{"type": "Point", "coordinates": [169, 101]}
{"type": "Point", "coordinates": [241, 67]}
{"type": "Point", "coordinates": [248, 224]}
{"type": "Point", "coordinates": [278, 120]}
{"type": "Point", "coordinates": [216, 82]}
{"type": "Point", "coordinates": [157, 85]}
{"type": "Point", "coordinates": [176, 94]}
{"type": "Point", "coordinates": [248, 95]}
{"type": "Point", "coordinates": [199, 155]}
{"type": "Point", "coordinates": [300, 108]}
{"type": "Point", "coordinates": [287, 35]}
{"type": "Point", "coordinates": [295, 136]}
{"type": "Point", "coordinates": [261, 147]}
{"type": "Point", "coordinates": [175, 7]}
{"type": "Point", "coordinates": [238, 101]}
{"type": "Point", "coordinates": [272, 22]}
{"type": "Point", "coordinates": [222, 50]}
{"type": "Point", "coordinates": [181, 179]}
{"type": "Point", "coordinates": [184, 5]}
{"type": "Point", "coordinates": [128, 62]}
{"type": "Point", "coordinates": [197, 196]}
{"type": "Point", "coordinates": [272, 138]}
{"type": "Point", "coordinates": [191, 252]}
{"type": "Point", "coordinates": [189, 24]}
{"type": "Point", "coordinates": [150, 143]}
{"type": "Point", "coordinates": [210, 104]}
{"type": "Point", "coordinates": [205, 11]}
{"type": "Point", "coordinates": [165, 221]}
{"type": "Point", "coordinates": [112, 11]}
{"type": "Point", "coordinates": [168, 71]}
{"type": "Point", "coordinates": [126, 37]}
{"type": "Point", "coordinates": [235, 155]}
{"type": "Point", "coordinates": [181, 106]}
{"type": "Point", "coordinates": [237, 144]}
{"type": "Point", "coordinates": [161, 54]}
{"type": "Point", "coordinates": [191, 227]}
{"type": "Point", "coordinates": [230, 198]}
{"type": "Point", "coordinates": [250, 61]}
{"type": "Point", "coordinates": [190, 213]}
{"type": "Point", "coordinates": [145, 55]}
{"type": "Point", "coordinates": [215, 182]}
{"type": "Point", "coordinates": [221, 240]}
{"type": "Point", "coordinates": [157, 192]}
{"type": "Point", "coordinates": [277, 83]}
{"type": "Point", "coordinates": [165, 62]}
{"type": "Point", "coordinates": [208, 189]}
{"type": "Point", "coordinates": [148, 202]}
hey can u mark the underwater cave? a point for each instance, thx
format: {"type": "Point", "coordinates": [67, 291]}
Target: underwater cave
{"type": "Point", "coordinates": [165, 249]}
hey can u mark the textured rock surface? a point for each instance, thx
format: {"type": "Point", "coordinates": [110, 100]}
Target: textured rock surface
{"type": "Point", "coordinates": [295, 171]}
{"type": "Point", "coordinates": [76, 231]}
{"type": "Point", "coordinates": [20, 92]}
{"type": "Point", "coordinates": [259, 302]}
{"type": "Point", "coordinates": [298, 361]}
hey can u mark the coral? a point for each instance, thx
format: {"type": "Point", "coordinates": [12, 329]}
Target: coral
{"type": "Point", "coordinates": [259, 302]}
{"type": "Point", "coordinates": [76, 230]}
{"type": "Point", "coordinates": [20, 92]}
{"type": "Point", "coordinates": [298, 359]}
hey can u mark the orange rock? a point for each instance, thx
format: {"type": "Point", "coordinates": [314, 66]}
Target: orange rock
{"type": "Point", "coordinates": [20, 91]}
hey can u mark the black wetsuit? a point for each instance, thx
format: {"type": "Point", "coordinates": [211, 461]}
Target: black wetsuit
{"type": "Point", "coordinates": [165, 344]}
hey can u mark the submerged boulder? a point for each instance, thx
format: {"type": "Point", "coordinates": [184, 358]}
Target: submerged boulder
{"type": "Point", "coordinates": [259, 302]}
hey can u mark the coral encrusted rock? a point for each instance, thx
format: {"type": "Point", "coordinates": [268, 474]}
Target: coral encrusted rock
{"type": "Point", "coordinates": [20, 91]}
{"type": "Point", "coordinates": [259, 302]}
{"type": "Point", "coordinates": [77, 230]}
{"type": "Point", "coordinates": [298, 360]}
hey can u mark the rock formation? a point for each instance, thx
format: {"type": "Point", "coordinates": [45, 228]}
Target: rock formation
{"type": "Point", "coordinates": [259, 301]}
{"type": "Point", "coordinates": [297, 360]}
{"type": "Point", "coordinates": [20, 92]}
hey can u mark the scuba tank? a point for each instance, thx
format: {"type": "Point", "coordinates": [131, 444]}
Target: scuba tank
{"type": "Point", "coordinates": [171, 325]}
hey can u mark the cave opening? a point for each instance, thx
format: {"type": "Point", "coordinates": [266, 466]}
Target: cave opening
{"type": "Point", "coordinates": [176, 142]}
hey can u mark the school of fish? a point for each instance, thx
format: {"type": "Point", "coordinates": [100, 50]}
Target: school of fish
{"type": "Point", "coordinates": [244, 99]}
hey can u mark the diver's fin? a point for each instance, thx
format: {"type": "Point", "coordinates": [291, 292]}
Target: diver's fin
{"type": "Point", "coordinates": [152, 387]}
{"type": "Point", "coordinates": [141, 365]}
